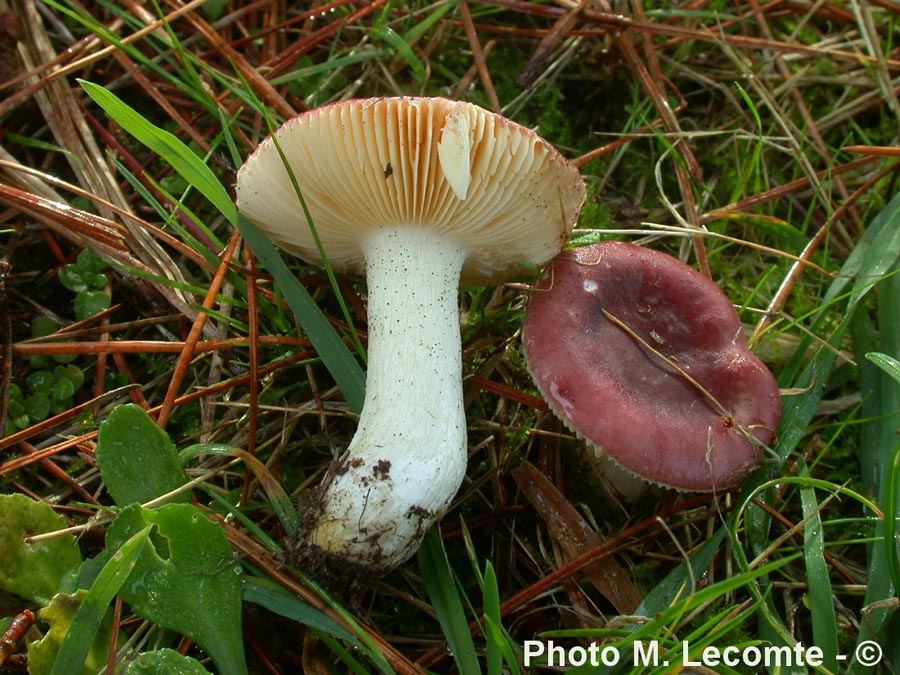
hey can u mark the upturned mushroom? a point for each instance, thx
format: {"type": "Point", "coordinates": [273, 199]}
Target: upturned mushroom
{"type": "Point", "coordinates": [417, 194]}
{"type": "Point", "coordinates": [645, 358]}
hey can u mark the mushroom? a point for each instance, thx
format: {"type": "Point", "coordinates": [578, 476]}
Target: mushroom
{"type": "Point", "coordinates": [645, 358]}
{"type": "Point", "coordinates": [418, 194]}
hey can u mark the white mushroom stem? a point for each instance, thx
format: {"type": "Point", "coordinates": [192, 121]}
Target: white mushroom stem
{"type": "Point", "coordinates": [408, 457]}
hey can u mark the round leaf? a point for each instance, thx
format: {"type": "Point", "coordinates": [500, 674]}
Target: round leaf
{"type": "Point", "coordinates": [38, 362]}
{"type": "Point", "coordinates": [33, 571]}
{"type": "Point", "coordinates": [88, 303]}
{"type": "Point", "coordinates": [72, 278]}
{"type": "Point", "coordinates": [16, 409]}
{"type": "Point", "coordinates": [37, 407]}
{"type": "Point", "coordinates": [41, 382]}
{"type": "Point", "coordinates": [63, 389]}
{"type": "Point", "coordinates": [72, 373]}
{"type": "Point", "coordinates": [42, 326]}
{"type": "Point", "coordinates": [89, 261]}
{"type": "Point", "coordinates": [64, 358]}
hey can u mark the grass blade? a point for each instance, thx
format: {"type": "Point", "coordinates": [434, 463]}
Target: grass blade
{"type": "Point", "coordinates": [887, 363]}
{"type": "Point", "coordinates": [75, 647]}
{"type": "Point", "coordinates": [395, 40]}
{"type": "Point", "coordinates": [329, 345]}
{"type": "Point", "coordinates": [336, 356]}
{"type": "Point", "coordinates": [440, 585]}
{"type": "Point", "coordinates": [166, 145]}
{"type": "Point", "coordinates": [875, 254]}
{"type": "Point", "coordinates": [821, 600]}
{"type": "Point", "coordinates": [276, 599]}
{"type": "Point", "coordinates": [279, 499]}
{"type": "Point", "coordinates": [492, 621]}
{"type": "Point", "coordinates": [878, 349]}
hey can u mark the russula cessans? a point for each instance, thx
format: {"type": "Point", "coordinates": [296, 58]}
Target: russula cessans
{"type": "Point", "coordinates": [645, 358]}
{"type": "Point", "coordinates": [417, 194]}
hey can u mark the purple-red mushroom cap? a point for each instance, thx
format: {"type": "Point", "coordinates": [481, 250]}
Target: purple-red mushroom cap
{"type": "Point", "coordinates": [646, 359]}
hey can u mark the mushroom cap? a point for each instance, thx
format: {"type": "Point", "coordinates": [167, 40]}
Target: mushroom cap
{"type": "Point", "coordinates": [502, 192]}
{"type": "Point", "coordinates": [646, 359]}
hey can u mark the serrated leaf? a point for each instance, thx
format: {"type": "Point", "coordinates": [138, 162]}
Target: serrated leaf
{"type": "Point", "coordinates": [186, 581]}
{"type": "Point", "coordinates": [137, 459]}
{"type": "Point", "coordinates": [33, 571]}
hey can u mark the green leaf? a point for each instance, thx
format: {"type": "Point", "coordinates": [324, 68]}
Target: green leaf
{"type": "Point", "coordinates": [64, 358]}
{"type": "Point", "coordinates": [186, 581]}
{"type": "Point", "coordinates": [89, 261]}
{"type": "Point", "coordinates": [72, 278]}
{"type": "Point", "coordinates": [15, 392]}
{"type": "Point", "coordinates": [423, 25]}
{"type": "Point", "coordinates": [270, 595]}
{"type": "Point", "coordinates": [33, 571]}
{"type": "Point", "coordinates": [42, 326]}
{"type": "Point", "coordinates": [877, 345]}
{"type": "Point", "coordinates": [61, 614]}
{"type": "Point", "coordinates": [70, 372]}
{"type": "Point", "coordinates": [63, 389]}
{"type": "Point", "coordinates": [165, 662]}
{"type": "Point", "coordinates": [37, 407]}
{"type": "Point", "coordinates": [819, 596]}
{"type": "Point", "coordinates": [137, 459]}
{"type": "Point", "coordinates": [500, 646]}
{"type": "Point", "coordinates": [682, 578]}
{"type": "Point", "coordinates": [41, 382]}
{"type": "Point", "coordinates": [18, 418]}
{"type": "Point", "coordinates": [89, 303]}
{"type": "Point", "coordinates": [278, 498]}
{"type": "Point", "coordinates": [396, 41]}
{"type": "Point", "coordinates": [213, 9]}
